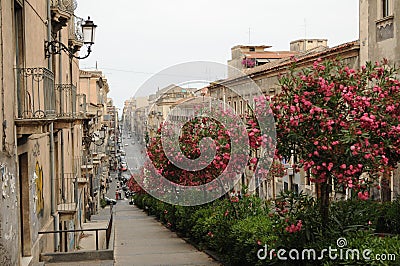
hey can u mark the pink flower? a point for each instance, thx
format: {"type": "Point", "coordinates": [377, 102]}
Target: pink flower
{"type": "Point", "coordinates": [235, 199]}
{"type": "Point", "coordinates": [363, 196]}
{"type": "Point", "coordinates": [254, 160]}
{"type": "Point", "coordinates": [294, 228]}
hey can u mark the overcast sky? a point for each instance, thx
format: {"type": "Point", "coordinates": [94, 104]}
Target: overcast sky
{"type": "Point", "coordinates": [136, 39]}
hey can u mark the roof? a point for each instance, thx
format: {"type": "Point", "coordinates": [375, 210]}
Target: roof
{"type": "Point", "coordinates": [247, 46]}
{"type": "Point", "coordinates": [302, 40]}
{"type": "Point", "coordinates": [269, 54]}
{"type": "Point", "coordinates": [309, 54]}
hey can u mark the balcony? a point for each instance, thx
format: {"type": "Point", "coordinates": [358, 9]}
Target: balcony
{"type": "Point", "coordinates": [75, 35]}
{"type": "Point", "coordinates": [385, 28]}
{"type": "Point", "coordinates": [65, 100]}
{"type": "Point", "coordinates": [86, 166]}
{"type": "Point", "coordinates": [35, 99]}
{"type": "Point", "coordinates": [81, 100]}
{"type": "Point", "coordinates": [67, 194]}
{"type": "Point", "coordinates": [61, 12]}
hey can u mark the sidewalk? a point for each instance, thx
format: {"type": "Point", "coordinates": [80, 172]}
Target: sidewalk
{"type": "Point", "coordinates": [141, 240]}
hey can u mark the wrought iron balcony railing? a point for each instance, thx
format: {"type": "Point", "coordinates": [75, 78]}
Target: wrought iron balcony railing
{"type": "Point", "coordinates": [35, 93]}
{"type": "Point", "coordinates": [65, 100]}
{"type": "Point", "coordinates": [67, 193]}
{"type": "Point", "coordinates": [81, 101]}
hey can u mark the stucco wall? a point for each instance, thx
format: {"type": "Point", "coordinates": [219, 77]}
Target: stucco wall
{"type": "Point", "coordinates": [379, 36]}
{"type": "Point", "coordinates": [9, 231]}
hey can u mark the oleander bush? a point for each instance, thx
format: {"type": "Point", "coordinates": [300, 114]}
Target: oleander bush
{"type": "Point", "coordinates": [238, 228]}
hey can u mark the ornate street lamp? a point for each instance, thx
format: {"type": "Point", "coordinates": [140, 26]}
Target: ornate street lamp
{"type": "Point", "coordinates": [55, 47]}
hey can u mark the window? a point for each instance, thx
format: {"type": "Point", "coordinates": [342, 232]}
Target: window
{"type": "Point", "coordinates": [307, 177]}
{"type": "Point", "coordinates": [19, 34]}
{"type": "Point", "coordinates": [19, 54]}
{"type": "Point", "coordinates": [285, 187]}
{"type": "Point", "coordinates": [295, 188]}
{"type": "Point", "coordinates": [252, 49]}
{"type": "Point", "coordinates": [385, 8]}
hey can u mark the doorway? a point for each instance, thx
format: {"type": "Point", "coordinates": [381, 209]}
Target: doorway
{"type": "Point", "coordinates": [26, 242]}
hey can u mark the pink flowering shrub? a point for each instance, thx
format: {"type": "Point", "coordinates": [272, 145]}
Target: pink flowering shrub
{"type": "Point", "coordinates": [294, 228]}
{"type": "Point", "coordinates": [340, 123]}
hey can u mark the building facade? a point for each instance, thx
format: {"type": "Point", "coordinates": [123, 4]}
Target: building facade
{"type": "Point", "coordinates": [46, 132]}
{"type": "Point", "coordinates": [379, 31]}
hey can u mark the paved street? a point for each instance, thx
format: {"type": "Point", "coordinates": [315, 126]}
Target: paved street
{"type": "Point", "coordinates": [134, 153]}
{"type": "Point", "coordinates": [140, 239]}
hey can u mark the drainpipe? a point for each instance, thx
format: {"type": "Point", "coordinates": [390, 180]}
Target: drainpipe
{"type": "Point", "coordinates": [54, 212]}
{"type": "Point", "coordinates": [2, 78]}
{"type": "Point", "coordinates": [62, 111]}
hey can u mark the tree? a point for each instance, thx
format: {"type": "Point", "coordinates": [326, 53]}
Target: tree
{"type": "Point", "coordinates": [341, 124]}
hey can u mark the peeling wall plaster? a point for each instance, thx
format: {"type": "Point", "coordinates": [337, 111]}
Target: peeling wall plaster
{"type": "Point", "coordinates": [7, 182]}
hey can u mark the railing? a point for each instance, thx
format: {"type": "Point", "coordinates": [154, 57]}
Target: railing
{"type": "Point", "coordinates": [67, 193]}
{"type": "Point", "coordinates": [81, 101]}
{"type": "Point", "coordinates": [108, 230]}
{"type": "Point", "coordinates": [64, 5]}
{"type": "Point", "coordinates": [35, 92]}
{"type": "Point", "coordinates": [75, 29]}
{"type": "Point", "coordinates": [66, 100]}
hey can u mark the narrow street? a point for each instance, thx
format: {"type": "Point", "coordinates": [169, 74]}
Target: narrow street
{"type": "Point", "coordinates": [142, 240]}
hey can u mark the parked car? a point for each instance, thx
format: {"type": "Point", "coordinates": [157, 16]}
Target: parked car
{"type": "Point", "coordinates": [110, 201]}
{"type": "Point", "coordinates": [124, 167]}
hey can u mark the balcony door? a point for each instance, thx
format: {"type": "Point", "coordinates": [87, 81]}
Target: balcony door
{"type": "Point", "coordinates": [19, 53]}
